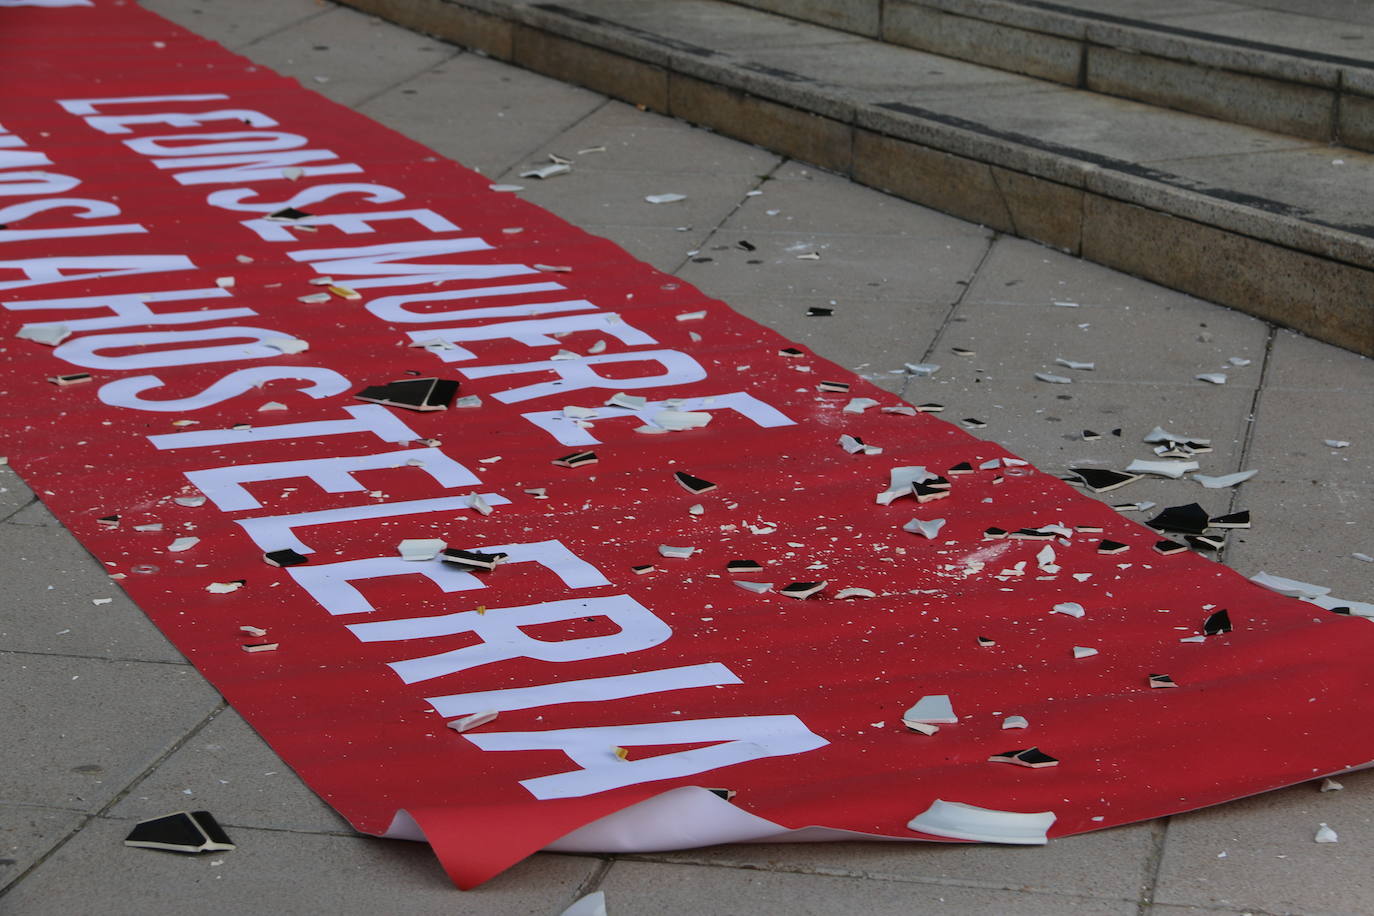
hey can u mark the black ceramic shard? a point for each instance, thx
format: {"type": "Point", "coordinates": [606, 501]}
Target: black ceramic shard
{"type": "Point", "coordinates": [791, 351]}
{"type": "Point", "coordinates": [1162, 680]}
{"type": "Point", "coordinates": [1106, 546]}
{"type": "Point", "coordinates": [1217, 623]}
{"type": "Point", "coordinates": [1169, 548]}
{"type": "Point", "coordinates": [833, 386]}
{"type": "Point", "coordinates": [819, 311]}
{"type": "Point", "coordinates": [1101, 480]}
{"type": "Point", "coordinates": [1239, 519]}
{"type": "Point", "coordinates": [288, 213]}
{"type": "Point", "coordinates": [801, 589]}
{"type": "Point", "coordinates": [471, 559]}
{"type": "Point", "coordinates": [286, 557]}
{"type": "Point", "coordinates": [1189, 519]}
{"type": "Point", "coordinates": [576, 459]}
{"type": "Point", "coordinates": [743, 566]}
{"type": "Point", "coordinates": [693, 485]}
{"type": "Point", "coordinates": [424, 394]}
{"type": "Point", "coordinates": [191, 832]}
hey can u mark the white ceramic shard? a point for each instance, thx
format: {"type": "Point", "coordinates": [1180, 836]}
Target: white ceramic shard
{"type": "Point", "coordinates": [692, 316]}
{"type": "Point", "coordinates": [680, 553]}
{"type": "Point", "coordinates": [580, 413]}
{"type": "Point", "coordinates": [1325, 835]}
{"type": "Point", "coordinates": [855, 592]}
{"type": "Point", "coordinates": [1045, 560]}
{"type": "Point", "coordinates": [48, 334]}
{"type": "Point", "coordinates": [1071, 608]}
{"type": "Point", "coordinates": [1083, 652]}
{"type": "Point", "coordinates": [757, 588]}
{"type": "Point", "coordinates": [1290, 587]}
{"type": "Point", "coordinates": [935, 709]}
{"type": "Point", "coordinates": [547, 171]}
{"type": "Point", "coordinates": [1015, 722]}
{"type": "Point", "coordinates": [959, 821]}
{"type": "Point", "coordinates": [505, 188]}
{"type": "Point", "coordinates": [593, 904]}
{"type": "Point", "coordinates": [924, 728]}
{"type": "Point", "coordinates": [1160, 434]}
{"type": "Point", "coordinates": [1353, 608]}
{"type": "Point", "coordinates": [922, 370]}
{"type": "Point", "coordinates": [181, 544]}
{"type": "Point", "coordinates": [1053, 379]}
{"type": "Point", "coordinates": [1075, 364]}
{"type": "Point", "coordinates": [628, 401]}
{"type": "Point", "coordinates": [420, 549]}
{"type": "Point", "coordinates": [313, 298]}
{"type": "Point", "coordinates": [1330, 785]}
{"type": "Point", "coordinates": [189, 501]}
{"type": "Point", "coordinates": [850, 444]}
{"type": "Point", "coordinates": [1222, 481]}
{"type": "Point", "coordinates": [665, 198]}
{"type": "Point", "coordinates": [859, 405]}
{"type": "Point", "coordinates": [901, 409]}
{"type": "Point", "coordinates": [1171, 469]}
{"type": "Point", "coordinates": [475, 501]}
{"type": "Point", "coordinates": [1238, 361]}
{"type": "Point", "coordinates": [1216, 378]}
{"type": "Point", "coordinates": [470, 722]}
{"type": "Point", "coordinates": [224, 282]}
{"type": "Point", "coordinates": [677, 420]}
{"type": "Point", "coordinates": [468, 400]}
{"type": "Point", "coordinates": [223, 588]}
{"type": "Point", "coordinates": [928, 528]}
{"type": "Point", "coordinates": [1336, 443]}
{"type": "Point", "coordinates": [901, 481]}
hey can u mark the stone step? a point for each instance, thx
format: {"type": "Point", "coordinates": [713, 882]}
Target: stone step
{"type": "Point", "coordinates": [1268, 223]}
{"type": "Point", "coordinates": [1311, 76]}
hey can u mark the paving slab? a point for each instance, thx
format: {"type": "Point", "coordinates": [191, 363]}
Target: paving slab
{"type": "Point", "coordinates": [709, 25]}
{"type": "Point", "coordinates": [15, 494]}
{"type": "Point", "coordinates": [226, 768]}
{"type": "Point", "coordinates": [1110, 863]}
{"type": "Point", "coordinates": [32, 514]}
{"type": "Point", "coordinates": [640, 142]}
{"type": "Point", "coordinates": [1271, 863]}
{"type": "Point", "coordinates": [347, 57]}
{"type": "Point", "coordinates": [646, 889]}
{"type": "Point", "coordinates": [1272, 26]}
{"type": "Point", "coordinates": [240, 23]}
{"type": "Point", "coordinates": [487, 118]}
{"type": "Point", "coordinates": [51, 586]}
{"type": "Point", "coordinates": [275, 871]}
{"type": "Point", "coordinates": [27, 832]}
{"type": "Point", "coordinates": [617, 198]}
{"type": "Point", "coordinates": [666, 248]}
{"type": "Point", "coordinates": [79, 730]}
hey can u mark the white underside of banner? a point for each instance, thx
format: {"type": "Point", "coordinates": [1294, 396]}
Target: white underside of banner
{"type": "Point", "coordinates": [683, 818]}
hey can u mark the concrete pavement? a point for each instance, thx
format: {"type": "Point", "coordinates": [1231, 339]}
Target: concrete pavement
{"type": "Point", "coordinates": [106, 723]}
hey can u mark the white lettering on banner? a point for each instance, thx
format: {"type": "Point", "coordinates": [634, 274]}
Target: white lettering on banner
{"type": "Point", "coordinates": [347, 223]}
{"type": "Point", "coordinates": [329, 584]}
{"type": "Point", "coordinates": [366, 418]}
{"type": "Point", "coordinates": [503, 640]}
{"type": "Point", "coordinates": [125, 392]}
{"type": "Point", "coordinates": [566, 431]}
{"type": "Point", "coordinates": [537, 332]}
{"type": "Point", "coordinates": [590, 690]}
{"type": "Point", "coordinates": [368, 261]}
{"type": "Point", "coordinates": [576, 374]}
{"type": "Point", "coordinates": [393, 308]}
{"type": "Point", "coordinates": [69, 232]}
{"type": "Point", "coordinates": [277, 532]}
{"type": "Point", "coordinates": [21, 184]}
{"type": "Point", "coordinates": [92, 106]}
{"type": "Point", "coordinates": [131, 309]}
{"type": "Point", "coordinates": [24, 160]}
{"type": "Point", "coordinates": [84, 351]}
{"type": "Point", "coordinates": [55, 270]}
{"type": "Point", "coordinates": [743, 738]}
{"type": "Point", "coordinates": [215, 144]}
{"type": "Point", "coordinates": [224, 485]}
{"type": "Point", "coordinates": [237, 198]}
{"type": "Point", "coordinates": [48, 3]}
{"type": "Point", "coordinates": [247, 168]}
{"type": "Point", "coordinates": [120, 124]}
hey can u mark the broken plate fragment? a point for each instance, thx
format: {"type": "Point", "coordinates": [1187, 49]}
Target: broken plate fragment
{"type": "Point", "coordinates": [959, 821]}
{"type": "Point", "coordinates": [1216, 378]}
{"type": "Point", "coordinates": [1031, 757]}
{"type": "Point", "coordinates": [473, 721]}
{"type": "Point", "coordinates": [576, 459]}
{"type": "Point", "coordinates": [1224, 480]}
{"type": "Point", "coordinates": [1069, 608]}
{"type": "Point", "coordinates": [678, 553]}
{"type": "Point", "coordinates": [190, 832]}
{"type": "Point", "coordinates": [692, 484]}
{"type": "Point", "coordinates": [665, 198]}
{"type": "Point", "coordinates": [424, 394]}
{"type": "Point", "coordinates": [925, 528]}
{"type": "Point", "coordinates": [1083, 652]}
{"type": "Point", "coordinates": [855, 592]}
{"type": "Point", "coordinates": [1015, 722]}
{"type": "Point", "coordinates": [757, 588]}
{"type": "Point", "coordinates": [1075, 364]}
{"type": "Point", "coordinates": [282, 558]}
{"type": "Point", "coordinates": [802, 589]}
{"type": "Point", "coordinates": [1171, 469]}
{"type": "Point", "coordinates": [859, 405]}
{"type": "Point", "coordinates": [901, 482]}
{"type": "Point", "coordinates": [935, 709]}
{"type": "Point", "coordinates": [1290, 587]}
{"type": "Point", "coordinates": [547, 171]}
{"type": "Point", "coordinates": [420, 549]}
{"type": "Point", "coordinates": [1053, 379]}
{"type": "Point", "coordinates": [1325, 835]}
{"type": "Point", "coordinates": [48, 334]}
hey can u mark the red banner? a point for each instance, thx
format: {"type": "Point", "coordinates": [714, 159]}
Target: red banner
{"type": "Point", "coordinates": [185, 398]}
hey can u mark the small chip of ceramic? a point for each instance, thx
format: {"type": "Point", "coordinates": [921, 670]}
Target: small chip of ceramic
{"type": "Point", "coordinates": [973, 423]}
{"type": "Point", "coordinates": [1217, 622]}
{"type": "Point", "coordinates": [286, 557]}
{"type": "Point", "coordinates": [737, 566]}
{"type": "Point", "coordinates": [471, 559]}
{"type": "Point", "coordinates": [1031, 757]}
{"type": "Point", "coordinates": [819, 311]}
{"type": "Point", "coordinates": [1102, 480]}
{"type": "Point", "coordinates": [1069, 608]}
{"type": "Point", "coordinates": [835, 387]}
{"type": "Point", "coordinates": [74, 378]}
{"type": "Point", "coordinates": [678, 553]}
{"type": "Point", "coordinates": [1015, 722]}
{"type": "Point", "coordinates": [1161, 680]}
{"type": "Point", "coordinates": [473, 721]}
{"type": "Point", "coordinates": [1169, 548]}
{"type": "Point", "coordinates": [260, 646]}
{"type": "Point", "coordinates": [421, 394]}
{"type": "Point", "coordinates": [692, 484]}
{"type": "Point", "coordinates": [642, 568]}
{"type": "Point", "coordinates": [792, 352]}
{"type": "Point", "coordinates": [1239, 519]}
{"type": "Point", "coordinates": [576, 459]}
{"type": "Point", "coordinates": [757, 588]}
{"type": "Point", "coordinates": [1111, 547]}
{"type": "Point", "coordinates": [802, 589]}
{"type": "Point", "coordinates": [985, 642]}
{"type": "Point", "coordinates": [1083, 652]}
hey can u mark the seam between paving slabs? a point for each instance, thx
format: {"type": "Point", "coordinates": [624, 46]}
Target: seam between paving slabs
{"type": "Point", "coordinates": [505, 171]}
{"type": "Point", "coordinates": [967, 285]}
{"type": "Point", "coordinates": [455, 52]}
{"type": "Point", "coordinates": [594, 879]}
{"type": "Point", "coordinates": [117, 798]}
{"type": "Point", "coordinates": [1154, 861]}
{"type": "Point", "coordinates": [10, 515]}
{"type": "Point", "coordinates": [762, 180]}
{"type": "Point", "coordinates": [1247, 444]}
{"type": "Point", "coordinates": [824, 871]}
